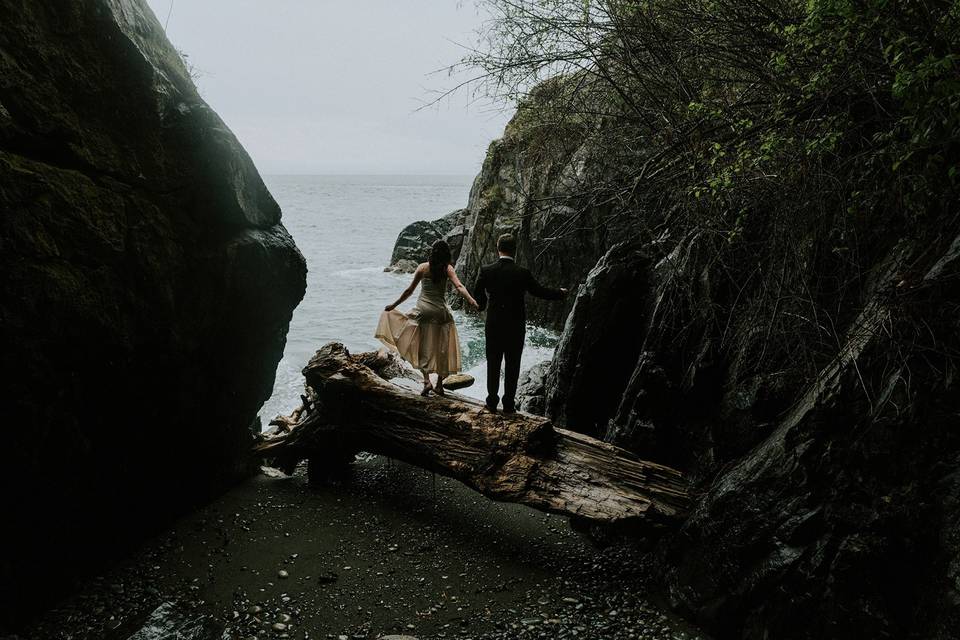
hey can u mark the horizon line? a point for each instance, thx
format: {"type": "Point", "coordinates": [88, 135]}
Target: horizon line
{"type": "Point", "coordinates": [359, 174]}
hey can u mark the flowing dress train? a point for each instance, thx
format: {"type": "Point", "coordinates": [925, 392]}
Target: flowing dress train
{"type": "Point", "coordinates": [427, 336]}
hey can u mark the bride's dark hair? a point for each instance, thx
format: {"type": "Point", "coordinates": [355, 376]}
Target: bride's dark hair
{"type": "Point", "coordinates": [439, 260]}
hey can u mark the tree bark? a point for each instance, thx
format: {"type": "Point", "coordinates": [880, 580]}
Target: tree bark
{"type": "Point", "coordinates": [351, 406]}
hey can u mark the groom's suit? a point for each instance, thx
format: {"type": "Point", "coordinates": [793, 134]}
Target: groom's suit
{"type": "Point", "coordinates": [500, 289]}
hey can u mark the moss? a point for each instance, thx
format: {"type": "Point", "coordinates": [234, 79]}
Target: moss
{"type": "Point", "coordinates": [493, 194]}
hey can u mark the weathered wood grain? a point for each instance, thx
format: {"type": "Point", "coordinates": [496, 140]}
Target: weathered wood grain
{"type": "Point", "coordinates": [351, 406]}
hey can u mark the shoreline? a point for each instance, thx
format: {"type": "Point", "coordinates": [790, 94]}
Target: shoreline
{"type": "Point", "coordinates": [392, 550]}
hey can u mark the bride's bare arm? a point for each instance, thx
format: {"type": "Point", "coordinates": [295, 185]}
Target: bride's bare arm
{"type": "Point", "coordinates": [459, 286]}
{"type": "Point", "coordinates": [417, 276]}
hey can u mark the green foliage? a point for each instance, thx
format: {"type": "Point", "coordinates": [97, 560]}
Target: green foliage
{"type": "Point", "coordinates": [798, 138]}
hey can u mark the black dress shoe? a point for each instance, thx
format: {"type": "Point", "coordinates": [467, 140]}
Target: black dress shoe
{"type": "Point", "coordinates": [492, 408]}
{"type": "Point", "coordinates": [509, 408]}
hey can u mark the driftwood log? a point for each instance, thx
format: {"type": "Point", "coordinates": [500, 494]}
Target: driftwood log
{"type": "Point", "coordinates": [351, 406]}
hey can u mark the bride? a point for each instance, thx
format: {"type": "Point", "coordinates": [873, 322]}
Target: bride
{"type": "Point", "coordinates": [427, 336]}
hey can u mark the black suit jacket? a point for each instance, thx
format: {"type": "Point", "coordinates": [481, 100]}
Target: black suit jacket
{"type": "Point", "coordinates": [501, 289]}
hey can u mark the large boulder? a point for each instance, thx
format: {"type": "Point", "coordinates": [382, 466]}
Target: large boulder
{"type": "Point", "coordinates": [830, 528]}
{"type": "Point", "coordinates": [829, 503]}
{"type": "Point", "coordinates": [147, 288]}
{"type": "Point", "coordinates": [842, 520]}
{"type": "Point", "coordinates": [416, 239]}
{"type": "Point", "coordinates": [532, 388]}
{"type": "Point", "coordinates": [601, 341]}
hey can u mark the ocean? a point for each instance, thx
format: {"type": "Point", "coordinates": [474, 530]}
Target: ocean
{"type": "Point", "coordinates": [345, 227]}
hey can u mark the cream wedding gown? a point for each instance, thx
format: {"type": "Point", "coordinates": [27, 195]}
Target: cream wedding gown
{"type": "Point", "coordinates": [427, 336]}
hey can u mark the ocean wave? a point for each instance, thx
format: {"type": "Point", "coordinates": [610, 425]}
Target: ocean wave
{"type": "Point", "coordinates": [360, 271]}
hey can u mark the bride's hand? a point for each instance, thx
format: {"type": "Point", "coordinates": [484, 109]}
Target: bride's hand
{"type": "Point", "coordinates": [390, 307]}
{"type": "Point", "coordinates": [473, 303]}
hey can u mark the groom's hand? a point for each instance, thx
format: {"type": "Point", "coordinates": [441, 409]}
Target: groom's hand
{"type": "Point", "coordinates": [564, 291]}
{"type": "Point", "coordinates": [390, 307]}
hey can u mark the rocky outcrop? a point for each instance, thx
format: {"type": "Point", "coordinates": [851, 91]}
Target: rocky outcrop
{"type": "Point", "coordinates": [529, 186]}
{"type": "Point", "coordinates": [415, 241]}
{"type": "Point", "coordinates": [808, 385]}
{"type": "Point", "coordinates": [830, 502]}
{"type": "Point", "coordinates": [585, 384]}
{"type": "Point", "coordinates": [531, 388]}
{"type": "Point", "coordinates": [848, 506]}
{"type": "Point", "coordinates": [147, 289]}
{"type": "Point", "coordinates": [793, 351]}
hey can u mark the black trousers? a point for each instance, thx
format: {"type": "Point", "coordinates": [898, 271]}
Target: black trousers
{"type": "Point", "coordinates": [504, 344]}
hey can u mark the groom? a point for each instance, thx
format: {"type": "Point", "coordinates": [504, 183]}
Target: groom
{"type": "Point", "coordinates": [500, 289]}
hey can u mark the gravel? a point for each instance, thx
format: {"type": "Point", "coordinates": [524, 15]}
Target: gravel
{"type": "Point", "coordinates": [393, 551]}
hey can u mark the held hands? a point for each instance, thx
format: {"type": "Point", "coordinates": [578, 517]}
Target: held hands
{"type": "Point", "coordinates": [473, 303]}
{"type": "Point", "coordinates": [564, 291]}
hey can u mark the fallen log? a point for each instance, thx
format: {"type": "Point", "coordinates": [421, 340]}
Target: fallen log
{"type": "Point", "coordinates": [351, 406]}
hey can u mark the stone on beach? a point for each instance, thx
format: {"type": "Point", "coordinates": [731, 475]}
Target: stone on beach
{"type": "Point", "coordinates": [458, 381]}
{"type": "Point", "coordinates": [169, 620]}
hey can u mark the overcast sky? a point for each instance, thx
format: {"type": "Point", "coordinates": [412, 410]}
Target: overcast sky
{"type": "Point", "coordinates": [333, 86]}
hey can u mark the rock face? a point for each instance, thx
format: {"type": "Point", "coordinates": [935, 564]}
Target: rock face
{"type": "Point", "coordinates": [147, 287]}
{"type": "Point", "coordinates": [585, 384]}
{"type": "Point", "coordinates": [815, 405]}
{"type": "Point", "coordinates": [847, 504]}
{"type": "Point", "coordinates": [830, 503]}
{"type": "Point", "coordinates": [415, 241]}
{"type": "Point", "coordinates": [526, 187]}
{"type": "Point", "coordinates": [801, 367]}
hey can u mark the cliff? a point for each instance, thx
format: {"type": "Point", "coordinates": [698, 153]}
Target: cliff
{"type": "Point", "coordinates": [830, 502]}
{"type": "Point", "coordinates": [146, 274]}
{"type": "Point", "coordinates": [789, 343]}
{"type": "Point", "coordinates": [534, 184]}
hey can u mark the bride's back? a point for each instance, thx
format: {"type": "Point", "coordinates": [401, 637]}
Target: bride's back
{"type": "Point", "coordinates": [435, 291]}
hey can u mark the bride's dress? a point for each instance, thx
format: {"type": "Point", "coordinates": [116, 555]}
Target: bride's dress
{"type": "Point", "coordinates": [427, 336]}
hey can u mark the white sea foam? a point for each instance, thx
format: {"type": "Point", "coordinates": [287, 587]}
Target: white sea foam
{"type": "Point", "coordinates": [361, 272]}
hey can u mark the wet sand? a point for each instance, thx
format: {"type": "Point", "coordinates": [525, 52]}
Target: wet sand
{"type": "Point", "coordinates": [391, 550]}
